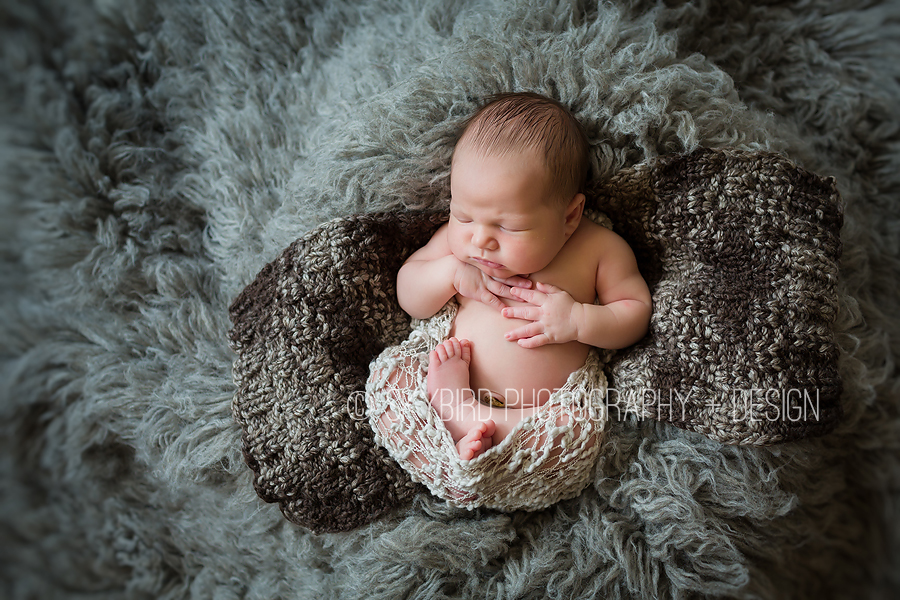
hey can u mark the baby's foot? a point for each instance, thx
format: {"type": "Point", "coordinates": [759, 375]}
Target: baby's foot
{"type": "Point", "coordinates": [448, 373]}
{"type": "Point", "coordinates": [477, 440]}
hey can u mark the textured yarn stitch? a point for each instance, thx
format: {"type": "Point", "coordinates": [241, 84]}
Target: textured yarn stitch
{"type": "Point", "coordinates": [304, 332]}
{"type": "Point", "coordinates": [547, 457]}
{"type": "Point", "coordinates": [740, 250]}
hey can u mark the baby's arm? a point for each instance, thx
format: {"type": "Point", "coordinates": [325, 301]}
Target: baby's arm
{"type": "Point", "coordinates": [433, 275]}
{"type": "Point", "coordinates": [622, 316]}
{"type": "Point", "coordinates": [425, 281]}
{"type": "Point", "coordinates": [620, 319]}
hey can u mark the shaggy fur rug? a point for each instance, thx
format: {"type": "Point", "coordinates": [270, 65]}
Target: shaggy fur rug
{"type": "Point", "coordinates": [155, 155]}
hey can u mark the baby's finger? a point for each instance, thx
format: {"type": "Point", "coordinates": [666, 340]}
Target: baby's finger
{"type": "Point", "coordinates": [547, 288]}
{"type": "Point", "coordinates": [515, 281]}
{"type": "Point", "coordinates": [527, 295]}
{"type": "Point", "coordinates": [529, 313]}
{"type": "Point", "coordinates": [498, 288]}
{"type": "Point", "coordinates": [535, 341]}
{"type": "Point", "coordinates": [491, 300]}
{"type": "Point", "coordinates": [525, 331]}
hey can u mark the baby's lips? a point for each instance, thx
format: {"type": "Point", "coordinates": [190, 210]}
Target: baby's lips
{"type": "Point", "coordinates": [487, 263]}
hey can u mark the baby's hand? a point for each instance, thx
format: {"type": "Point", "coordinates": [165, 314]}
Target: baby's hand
{"type": "Point", "coordinates": [553, 313]}
{"type": "Point", "coordinates": [471, 282]}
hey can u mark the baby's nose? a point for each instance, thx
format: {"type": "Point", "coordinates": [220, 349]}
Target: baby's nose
{"type": "Point", "coordinates": [482, 238]}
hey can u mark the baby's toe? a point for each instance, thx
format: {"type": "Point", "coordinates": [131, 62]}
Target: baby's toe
{"type": "Point", "coordinates": [466, 351]}
{"type": "Point", "coordinates": [434, 357]}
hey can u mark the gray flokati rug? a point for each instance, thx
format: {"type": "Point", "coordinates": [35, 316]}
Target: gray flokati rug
{"type": "Point", "coordinates": [155, 155]}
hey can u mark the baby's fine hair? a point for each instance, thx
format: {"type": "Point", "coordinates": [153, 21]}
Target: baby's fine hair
{"type": "Point", "coordinates": [512, 122]}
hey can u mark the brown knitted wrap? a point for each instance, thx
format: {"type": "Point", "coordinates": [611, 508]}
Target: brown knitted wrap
{"type": "Point", "coordinates": [304, 332]}
{"type": "Point", "coordinates": [740, 251]}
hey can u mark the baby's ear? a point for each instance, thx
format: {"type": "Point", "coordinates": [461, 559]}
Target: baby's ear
{"type": "Point", "coordinates": [573, 213]}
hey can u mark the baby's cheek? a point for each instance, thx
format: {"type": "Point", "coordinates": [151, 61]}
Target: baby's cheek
{"type": "Point", "coordinates": [532, 259]}
{"type": "Point", "coordinates": [457, 250]}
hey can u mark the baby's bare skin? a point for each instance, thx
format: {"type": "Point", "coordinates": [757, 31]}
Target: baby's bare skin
{"type": "Point", "coordinates": [525, 377]}
{"type": "Point", "coordinates": [449, 391]}
{"type": "Point", "coordinates": [522, 378]}
{"type": "Point", "coordinates": [536, 284]}
{"type": "Point", "coordinates": [479, 358]}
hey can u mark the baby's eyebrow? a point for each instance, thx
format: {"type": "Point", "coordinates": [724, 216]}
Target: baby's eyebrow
{"type": "Point", "coordinates": [520, 219]}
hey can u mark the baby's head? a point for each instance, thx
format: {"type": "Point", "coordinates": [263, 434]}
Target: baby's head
{"type": "Point", "coordinates": [515, 185]}
{"type": "Point", "coordinates": [526, 124]}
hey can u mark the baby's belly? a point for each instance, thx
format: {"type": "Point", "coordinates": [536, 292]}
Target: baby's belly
{"type": "Point", "coordinates": [523, 377]}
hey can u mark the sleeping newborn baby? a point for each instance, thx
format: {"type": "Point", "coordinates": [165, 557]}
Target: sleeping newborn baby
{"type": "Point", "coordinates": [516, 288]}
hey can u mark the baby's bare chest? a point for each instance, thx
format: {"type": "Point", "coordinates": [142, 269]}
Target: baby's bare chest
{"type": "Point", "coordinates": [572, 271]}
{"type": "Point", "coordinates": [499, 364]}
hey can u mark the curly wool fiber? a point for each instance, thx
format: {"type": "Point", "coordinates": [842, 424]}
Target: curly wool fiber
{"type": "Point", "coordinates": [155, 155]}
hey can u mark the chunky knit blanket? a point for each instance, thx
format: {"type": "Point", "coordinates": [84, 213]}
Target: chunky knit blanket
{"type": "Point", "coordinates": [741, 253]}
{"type": "Point", "coordinates": [156, 155]}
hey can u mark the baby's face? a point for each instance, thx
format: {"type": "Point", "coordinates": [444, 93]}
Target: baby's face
{"type": "Point", "coordinates": [503, 218]}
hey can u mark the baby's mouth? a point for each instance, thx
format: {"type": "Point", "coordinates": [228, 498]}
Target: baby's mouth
{"type": "Point", "coordinates": [487, 263]}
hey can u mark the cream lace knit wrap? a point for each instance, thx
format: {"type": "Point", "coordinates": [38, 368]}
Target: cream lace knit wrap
{"type": "Point", "coordinates": [548, 457]}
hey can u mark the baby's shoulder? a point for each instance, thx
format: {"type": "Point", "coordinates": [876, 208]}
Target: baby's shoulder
{"type": "Point", "coordinates": [436, 247]}
{"type": "Point", "coordinates": [593, 238]}
{"type": "Point", "coordinates": [598, 245]}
